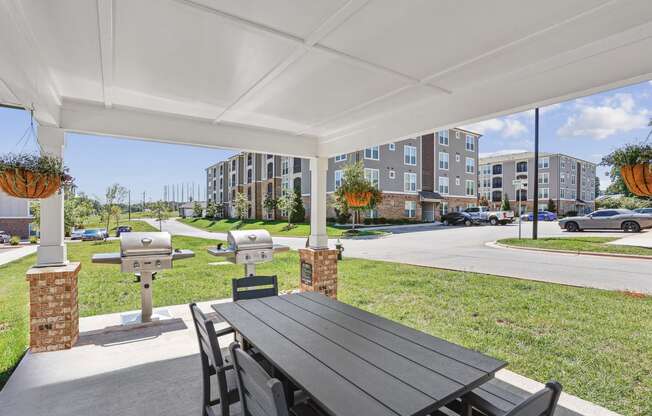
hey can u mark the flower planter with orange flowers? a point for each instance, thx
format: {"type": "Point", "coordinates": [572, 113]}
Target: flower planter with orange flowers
{"type": "Point", "coordinates": [358, 200]}
{"type": "Point", "coordinates": [21, 183]}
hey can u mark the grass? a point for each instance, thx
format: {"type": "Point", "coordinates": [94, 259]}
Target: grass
{"type": "Point", "coordinates": [575, 244]}
{"type": "Point", "coordinates": [598, 344]}
{"type": "Point", "coordinates": [134, 224]}
{"type": "Point", "coordinates": [275, 228]}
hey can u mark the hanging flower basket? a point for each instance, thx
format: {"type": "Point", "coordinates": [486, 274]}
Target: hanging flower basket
{"type": "Point", "coordinates": [32, 176]}
{"type": "Point", "coordinates": [358, 200]}
{"type": "Point", "coordinates": [638, 178]}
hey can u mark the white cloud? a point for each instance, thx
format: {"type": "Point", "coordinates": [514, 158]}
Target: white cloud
{"type": "Point", "coordinates": [502, 152]}
{"type": "Point", "coordinates": [615, 114]}
{"type": "Point", "coordinates": [507, 127]}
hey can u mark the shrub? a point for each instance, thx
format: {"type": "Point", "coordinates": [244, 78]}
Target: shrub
{"type": "Point", "coordinates": [299, 212]}
{"type": "Point", "coordinates": [368, 221]}
{"type": "Point", "coordinates": [33, 239]}
{"type": "Point", "coordinates": [14, 240]}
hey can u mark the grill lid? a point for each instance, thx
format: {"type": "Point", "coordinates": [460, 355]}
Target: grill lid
{"type": "Point", "coordinates": [145, 244]}
{"type": "Point", "coordinates": [249, 240]}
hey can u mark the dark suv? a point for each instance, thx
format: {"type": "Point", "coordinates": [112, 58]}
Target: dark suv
{"type": "Point", "coordinates": [122, 229]}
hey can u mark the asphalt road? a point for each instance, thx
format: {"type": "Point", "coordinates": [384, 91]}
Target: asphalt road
{"type": "Point", "coordinates": [466, 249]}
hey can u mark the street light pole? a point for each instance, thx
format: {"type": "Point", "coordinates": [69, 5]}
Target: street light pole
{"type": "Point", "coordinates": [535, 204]}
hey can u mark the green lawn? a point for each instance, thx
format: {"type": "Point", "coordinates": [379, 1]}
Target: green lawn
{"type": "Point", "coordinates": [575, 244]}
{"type": "Point", "coordinates": [275, 228]}
{"type": "Point", "coordinates": [598, 344]}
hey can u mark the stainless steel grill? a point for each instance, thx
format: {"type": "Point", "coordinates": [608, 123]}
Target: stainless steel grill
{"type": "Point", "coordinates": [248, 247]}
{"type": "Point", "coordinates": [145, 254]}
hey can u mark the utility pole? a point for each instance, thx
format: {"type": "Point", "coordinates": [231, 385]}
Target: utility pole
{"type": "Point", "coordinates": [129, 204]}
{"type": "Point", "coordinates": [535, 204]}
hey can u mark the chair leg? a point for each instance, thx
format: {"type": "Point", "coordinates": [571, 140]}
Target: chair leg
{"type": "Point", "coordinates": [467, 409]}
{"type": "Point", "coordinates": [206, 385]}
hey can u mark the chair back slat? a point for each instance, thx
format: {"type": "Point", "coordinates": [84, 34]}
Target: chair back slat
{"type": "Point", "coordinates": [541, 403]}
{"type": "Point", "coordinates": [206, 336]}
{"type": "Point", "coordinates": [260, 394]}
{"type": "Point", "coordinates": [254, 287]}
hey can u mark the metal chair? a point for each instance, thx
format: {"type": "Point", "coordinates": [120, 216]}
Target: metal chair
{"type": "Point", "coordinates": [260, 394]}
{"type": "Point", "coordinates": [213, 364]}
{"type": "Point", "coordinates": [492, 400]}
{"type": "Point", "coordinates": [254, 287]}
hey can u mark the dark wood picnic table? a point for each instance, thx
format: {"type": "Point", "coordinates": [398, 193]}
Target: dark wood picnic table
{"type": "Point", "coordinates": [354, 363]}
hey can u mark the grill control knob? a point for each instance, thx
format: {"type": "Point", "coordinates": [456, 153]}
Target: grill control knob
{"type": "Point", "coordinates": [136, 265]}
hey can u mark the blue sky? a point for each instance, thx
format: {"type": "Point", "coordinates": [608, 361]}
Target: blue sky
{"type": "Point", "coordinates": [587, 128]}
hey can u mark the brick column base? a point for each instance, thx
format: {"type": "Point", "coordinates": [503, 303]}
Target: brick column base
{"type": "Point", "coordinates": [319, 271]}
{"type": "Point", "coordinates": [53, 308]}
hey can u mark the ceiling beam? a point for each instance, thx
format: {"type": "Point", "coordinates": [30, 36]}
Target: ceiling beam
{"type": "Point", "coordinates": [105, 33]}
{"type": "Point", "coordinates": [96, 119]}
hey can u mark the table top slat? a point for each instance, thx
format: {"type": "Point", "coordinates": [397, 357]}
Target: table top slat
{"type": "Point", "coordinates": [448, 367]}
{"type": "Point", "coordinates": [474, 358]}
{"type": "Point", "coordinates": [395, 394]}
{"type": "Point", "coordinates": [333, 393]}
{"type": "Point", "coordinates": [419, 377]}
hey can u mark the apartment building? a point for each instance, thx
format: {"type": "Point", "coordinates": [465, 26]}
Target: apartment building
{"type": "Point", "coordinates": [15, 218]}
{"type": "Point", "coordinates": [421, 178]}
{"type": "Point", "coordinates": [568, 181]}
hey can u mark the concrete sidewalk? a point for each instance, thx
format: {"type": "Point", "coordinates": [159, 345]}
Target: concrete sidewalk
{"type": "Point", "coordinates": [7, 255]}
{"type": "Point", "coordinates": [643, 239]}
{"type": "Point", "coordinates": [151, 370]}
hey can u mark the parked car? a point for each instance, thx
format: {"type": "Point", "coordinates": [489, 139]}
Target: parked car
{"type": "Point", "coordinates": [484, 214]}
{"type": "Point", "coordinates": [76, 234]}
{"type": "Point", "coordinates": [104, 232]}
{"type": "Point", "coordinates": [458, 218]}
{"type": "Point", "coordinates": [543, 216]}
{"type": "Point", "coordinates": [608, 219]}
{"type": "Point", "coordinates": [93, 235]}
{"type": "Point", "coordinates": [122, 229]}
{"type": "Point", "coordinates": [4, 237]}
{"type": "Point", "coordinates": [647, 211]}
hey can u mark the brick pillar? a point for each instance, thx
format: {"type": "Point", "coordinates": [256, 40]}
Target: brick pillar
{"type": "Point", "coordinates": [53, 308]}
{"type": "Point", "coordinates": [319, 271]}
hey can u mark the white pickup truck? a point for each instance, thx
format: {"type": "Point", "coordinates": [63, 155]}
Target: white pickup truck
{"type": "Point", "coordinates": [483, 214]}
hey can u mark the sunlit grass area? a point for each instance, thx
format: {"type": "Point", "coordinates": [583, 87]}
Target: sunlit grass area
{"type": "Point", "coordinates": [575, 244]}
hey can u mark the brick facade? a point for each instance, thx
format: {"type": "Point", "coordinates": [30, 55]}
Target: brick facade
{"type": "Point", "coordinates": [324, 271]}
{"type": "Point", "coordinates": [393, 206]}
{"type": "Point", "coordinates": [53, 307]}
{"type": "Point", "coordinates": [16, 226]}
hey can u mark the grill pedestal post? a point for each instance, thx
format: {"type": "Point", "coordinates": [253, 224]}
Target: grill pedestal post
{"type": "Point", "coordinates": [146, 296]}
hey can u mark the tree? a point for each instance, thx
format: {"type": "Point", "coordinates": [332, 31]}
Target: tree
{"type": "Point", "coordinates": [299, 213]}
{"type": "Point", "coordinates": [116, 212]}
{"type": "Point", "coordinates": [270, 203]}
{"type": "Point", "coordinates": [505, 204]}
{"type": "Point", "coordinates": [355, 184]}
{"type": "Point", "coordinates": [197, 210]}
{"type": "Point", "coordinates": [551, 205]}
{"type": "Point", "coordinates": [288, 203]}
{"type": "Point", "coordinates": [241, 205]}
{"type": "Point", "coordinates": [161, 212]}
{"type": "Point", "coordinates": [211, 210]}
{"type": "Point", "coordinates": [115, 194]}
{"type": "Point", "coordinates": [597, 186]}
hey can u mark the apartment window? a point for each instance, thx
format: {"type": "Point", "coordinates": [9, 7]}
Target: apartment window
{"type": "Point", "coordinates": [391, 146]}
{"type": "Point", "coordinates": [296, 168]}
{"type": "Point", "coordinates": [340, 158]}
{"type": "Point", "coordinates": [457, 180]}
{"type": "Point", "coordinates": [443, 160]}
{"type": "Point", "coordinates": [270, 189]}
{"type": "Point", "coordinates": [457, 157]}
{"type": "Point", "coordinates": [497, 182]}
{"type": "Point", "coordinates": [410, 155]}
{"type": "Point", "coordinates": [285, 185]}
{"type": "Point", "coordinates": [285, 167]}
{"type": "Point", "coordinates": [562, 163]}
{"type": "Point", "coordinates": [443, 185]}
{"type": "Point", "coordinates": [392, 174]}
{"type": "Point", "coordinates": [485, 182]}
{"type": "Point", "coordinates": [443, 137]}
{"type": "Point", "coordinates": [409, 182]}
{"type": "Point", "coordinates": [521, 167]}
{"type": "Point", "coordinates": [338, 179]}
{"type": "Point", "coordinates": [249, 194]}
{"type": "Point", "coordinates": [269, 155]}
{"type": "Point", "coordinates": [562, 178]}
{"type": "Point", "coordinates": [521, 195]}
{"type": "Point", "coordinates": [221, 182]}
{"type": "Point", "coordinates": [233, 164]}
{"type": "Point", "coordinates": [485, 170]}
{"type": "Point", "coordinates": [470, 165]}
{"type": "Point", "coordinates": [250, 175]}
{"type": "Point", "coordinates": [444, 208]}
{"type": "Point", "coordinates": [249, 159]}
{"type": "Point", "coordinates": [372, 153]}
{"type": "Point", "coordinates": [562, 193]}
{"type": "Point", "coordinates": [544, 178]}
{"type": "Point", "coordinates": [458, 134]}
{"type": "Point", "coordinates": [270, 170]}
{"type": "Point", "coordinates": [372, 176]}
{"type": "Point", "coordinates": [470, 188]}
{"type": "Point", "coordinates": [544, 163]}
{"type": "Point", "coordinates": [470, 143]}
{"type": "Point", "coordinates": [544, 193]}
{"type": "Point", "coordinates": [573, 180]}
{"type": "Point", "coordinates": [233, 179]}
{"type": "Point", "coordinates": [410, 209]}
{"type": "Point", "coordinates": [497, 169]}
{"type": "Point", "coordinates": [221, 169]}
{"type": "Point", "coordinates": [521, 177]}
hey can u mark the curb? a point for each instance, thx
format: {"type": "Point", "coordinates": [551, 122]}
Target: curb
{"type": "Point", "coordinates": [578, 253]}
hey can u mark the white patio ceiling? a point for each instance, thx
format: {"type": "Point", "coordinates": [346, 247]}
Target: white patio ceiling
{"type": "Point", "coordinates": [309, 77]}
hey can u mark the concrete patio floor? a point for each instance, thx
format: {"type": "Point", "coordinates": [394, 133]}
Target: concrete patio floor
{"type": "Point", "coordinates": [152, 370]}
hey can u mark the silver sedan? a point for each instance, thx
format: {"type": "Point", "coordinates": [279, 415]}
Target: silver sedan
{"type": "Point", "coordinates": [608, 219]}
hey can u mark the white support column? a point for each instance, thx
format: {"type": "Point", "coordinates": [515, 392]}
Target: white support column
{"type": "Point", "coordinates": [52, 250]}
{"type": "Point", "coordinates": [318, 235]}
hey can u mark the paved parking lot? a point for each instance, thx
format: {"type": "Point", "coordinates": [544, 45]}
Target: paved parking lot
{"type": "Point", "coordinates": [466, 249]}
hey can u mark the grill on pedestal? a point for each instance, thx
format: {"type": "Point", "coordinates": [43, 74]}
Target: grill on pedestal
{"type": "Point", "coordinates": [144, 253]}
{"type": "Point", "coordinates": [248, 247]}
